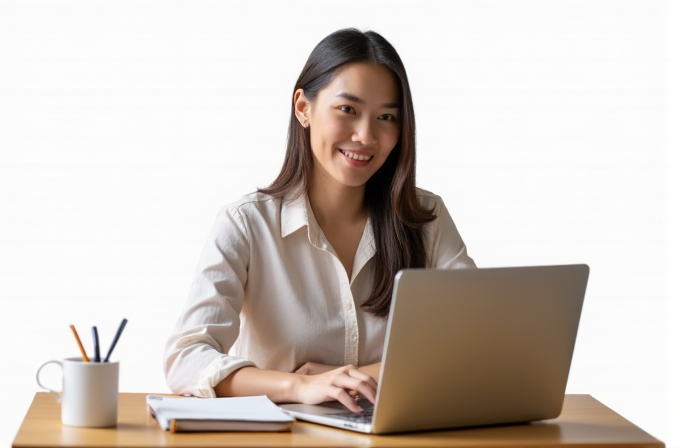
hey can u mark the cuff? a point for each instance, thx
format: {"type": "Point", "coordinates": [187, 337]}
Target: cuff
{"type": "Point", "coordinates": [216, 371]}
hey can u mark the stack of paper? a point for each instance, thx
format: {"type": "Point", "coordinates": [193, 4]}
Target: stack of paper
{"type": "Point", "coordinates": [218, 414]}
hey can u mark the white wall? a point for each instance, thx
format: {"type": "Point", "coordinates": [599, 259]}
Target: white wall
{"type": "Point", "coordinates": [545, 125]}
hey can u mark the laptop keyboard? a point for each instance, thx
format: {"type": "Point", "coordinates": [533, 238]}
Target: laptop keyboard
{"type": "Point", "coordinates": [365, 416]}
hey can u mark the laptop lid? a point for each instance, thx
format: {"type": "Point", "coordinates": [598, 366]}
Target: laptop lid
{"type": "Point", "coordinates": [472, 347]}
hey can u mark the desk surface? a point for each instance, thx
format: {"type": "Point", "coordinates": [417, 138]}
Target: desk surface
{"type": "Point", "coordinates": [584, 422]}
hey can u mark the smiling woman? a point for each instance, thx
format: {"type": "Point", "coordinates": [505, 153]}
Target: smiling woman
{"type": "Point", "coordinates": [295, 281]}
{"type": "Point", "coordinates": [352, 135]}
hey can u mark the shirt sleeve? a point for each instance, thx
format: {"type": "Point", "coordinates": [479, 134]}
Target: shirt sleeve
{"type": "Point", "coordinates": [446, 249]}
{"type": "Point", "coordinates": [195, 357]}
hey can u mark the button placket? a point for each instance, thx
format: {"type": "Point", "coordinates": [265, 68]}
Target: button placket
{"type": "Point", "coordinates": [318, 239]}
{"type": "Point", "coordinates": [350, 316]}
{"type": "Point", "coordinates": [347, 305]}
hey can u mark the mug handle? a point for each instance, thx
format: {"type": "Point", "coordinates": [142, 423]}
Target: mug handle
{"type": "Point", "coordinates": [37, 378]}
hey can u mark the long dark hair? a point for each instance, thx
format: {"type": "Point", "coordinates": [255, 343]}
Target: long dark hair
{"type": "Point", "coordinates": [396, 215]}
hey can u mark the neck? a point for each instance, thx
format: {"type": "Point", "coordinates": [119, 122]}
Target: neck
{"type": "Point", "coordinates": [336, 203]}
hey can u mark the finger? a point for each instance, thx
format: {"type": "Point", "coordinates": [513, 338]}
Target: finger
{"type": "Point", "coordinates": [348, 383]}
{"type": "Point", "coordinates": [367, 391]}
{"type": "Point", "coordinates": [358, 374]}
{"type": "Point", "coordinates": [368, 381]}
{"type": "Point", "coordinates": [343, 397]}
{"type": "Point", "coordinates": [347, 367]}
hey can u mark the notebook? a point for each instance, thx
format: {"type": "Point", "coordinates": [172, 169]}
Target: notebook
{"type": "Point", "coordinates": [470, 347]}
{"type": "Point", "coordinates": [257, 413]}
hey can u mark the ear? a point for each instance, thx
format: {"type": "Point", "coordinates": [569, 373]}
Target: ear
{"type": "Point", "coordinates": [301, 106]}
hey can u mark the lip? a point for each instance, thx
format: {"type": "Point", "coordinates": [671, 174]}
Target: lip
{"type": "Point", "coordinates": [357, 163]}
{"type": "Point", "coordinates": [359, 152]}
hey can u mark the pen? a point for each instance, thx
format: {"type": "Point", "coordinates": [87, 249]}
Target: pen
{"type": "Point", "coordinates": [115, 339]}
{"type": "Point", "coordinates": [80, 345]}
{"type": "Point", "coordinates": [95, 338]}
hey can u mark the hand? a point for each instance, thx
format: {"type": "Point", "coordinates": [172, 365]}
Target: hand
{"type": "Point", "coordinates": [335, 384]}
{"type": "Point", "coordinates": [313, 368]}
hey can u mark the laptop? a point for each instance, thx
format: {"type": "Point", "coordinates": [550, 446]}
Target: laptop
{"type": "Point", "coordinates": [470, 347]}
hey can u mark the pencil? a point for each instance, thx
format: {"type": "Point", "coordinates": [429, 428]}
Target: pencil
{"type": "Point", "coordinates": [80, 345]}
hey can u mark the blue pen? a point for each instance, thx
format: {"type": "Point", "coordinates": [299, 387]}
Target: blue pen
{"type": "Point", "coordinates": [95, 338]}
{"type": "Point", "coordinates": [115, 339]}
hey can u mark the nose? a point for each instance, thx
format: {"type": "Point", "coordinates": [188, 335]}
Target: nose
{"type": "Point", "coordinates": [363, 133]}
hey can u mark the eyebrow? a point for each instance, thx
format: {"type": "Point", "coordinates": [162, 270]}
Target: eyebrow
{"type": "Point", "coordinates": [356, 99]}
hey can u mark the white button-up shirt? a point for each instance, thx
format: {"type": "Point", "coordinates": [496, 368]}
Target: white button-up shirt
{"type": "Point", "coordinates": [271, 292]}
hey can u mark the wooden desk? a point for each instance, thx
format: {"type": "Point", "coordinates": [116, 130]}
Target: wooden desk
{"type": "Point", "coordinates": [584, 422]}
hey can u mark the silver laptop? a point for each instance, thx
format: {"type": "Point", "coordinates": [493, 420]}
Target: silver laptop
{"type": "Point", "coordinates": [470, 347]}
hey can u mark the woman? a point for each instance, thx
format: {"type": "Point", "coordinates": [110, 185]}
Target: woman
{"type": "Point", "coordinates": [296, 279]}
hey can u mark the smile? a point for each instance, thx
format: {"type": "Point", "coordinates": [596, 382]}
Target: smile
{"type": "Point", "coordinates": [354, 156]}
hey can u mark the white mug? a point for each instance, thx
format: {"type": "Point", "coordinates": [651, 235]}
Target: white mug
{"type": "Point", "coordinates": [89, 396]}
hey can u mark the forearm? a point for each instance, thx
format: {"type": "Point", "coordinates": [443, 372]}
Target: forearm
{"type": "Point", "coordinates": [373, 370]}
{"type": "Point", "coordinates": [247, 381]}
{"type": "Point", "coordinates": [313, 368]}
{"type": "Point", "coordinates": [283, 387]}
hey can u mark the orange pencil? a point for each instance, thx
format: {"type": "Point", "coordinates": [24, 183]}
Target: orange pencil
{"type": "Point", "coordinates": [80, 346]}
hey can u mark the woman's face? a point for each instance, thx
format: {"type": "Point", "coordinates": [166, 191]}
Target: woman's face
{"type": "Point", "coordinates": [354, 123]}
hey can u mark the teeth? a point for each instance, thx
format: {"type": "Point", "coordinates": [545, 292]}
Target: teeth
{"type": "Point", "coordinates": [353, 156]}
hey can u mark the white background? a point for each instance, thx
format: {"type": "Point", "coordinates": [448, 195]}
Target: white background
{"type": "Point", "coordinates": [546, 126]}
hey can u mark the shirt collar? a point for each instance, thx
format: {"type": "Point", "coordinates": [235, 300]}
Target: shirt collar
{"type": "Point", "coordinates": [294, 214]}
{"type": "Point", "coordinates": [297, 213]}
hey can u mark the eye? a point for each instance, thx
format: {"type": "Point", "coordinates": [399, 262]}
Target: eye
{"type": "Point", "coordinates": [387, 117]}
{"type": "Point", "coordinates": [347, 109]}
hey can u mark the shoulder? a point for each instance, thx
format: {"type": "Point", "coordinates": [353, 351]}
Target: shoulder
{"type": "Point", "coordinates": [252, 204]}
{"type": "Point", "coordinates": [251, 210]}
{"type": "Point", "coordinates": [429, 200]}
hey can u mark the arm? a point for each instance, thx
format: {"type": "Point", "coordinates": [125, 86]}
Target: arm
{"type": "Point", "coordinates": [283, 387]}
{"type": "Point", "coordinates": [195, 358]}
{"type": "Point", "coordinates": [313, 368]}
{"type": "Point", "coordinates": [445, 247]}
{"type": "Point", "coordinates": [372, 370]}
